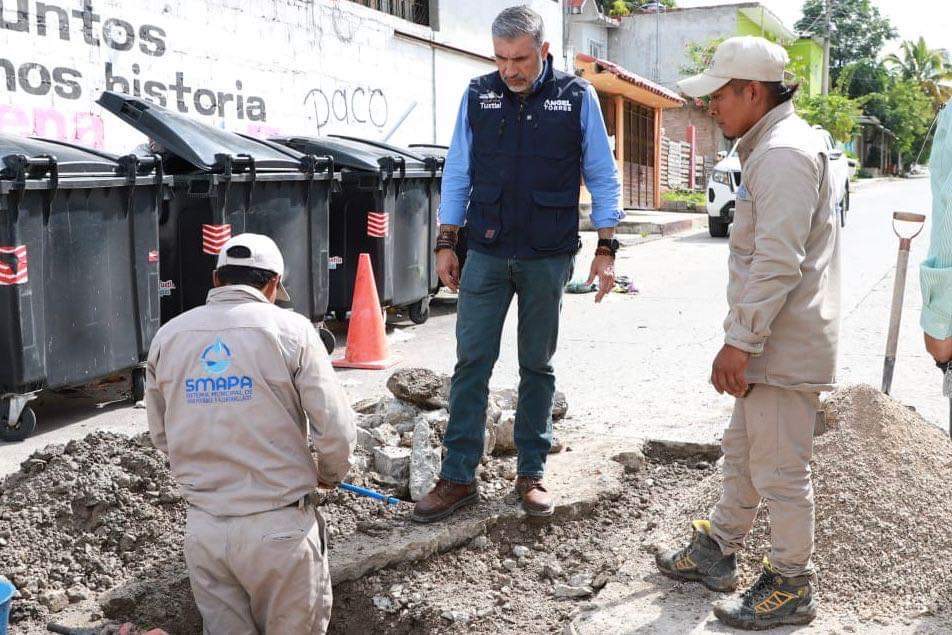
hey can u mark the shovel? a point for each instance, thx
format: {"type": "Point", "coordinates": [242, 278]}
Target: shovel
{"type": "Point", "coordinates": [946, 368]}
{"type": "Point", "coordinates": [899, 289]}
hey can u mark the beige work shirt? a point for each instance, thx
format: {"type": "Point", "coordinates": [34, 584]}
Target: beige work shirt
{"type": "Point", "coordinates": [234, 389]}
{"type": "Point", "coordinates": [784, 286]}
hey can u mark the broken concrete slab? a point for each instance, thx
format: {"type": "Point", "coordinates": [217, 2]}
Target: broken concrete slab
{"type": "Point", "coordinates": [580, 479]}
{"type": "Point", "coordinates": [424, 461]}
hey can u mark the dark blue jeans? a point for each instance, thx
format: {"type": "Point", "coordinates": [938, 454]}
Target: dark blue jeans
{"type": "Point", "coordinates": [486, 289]}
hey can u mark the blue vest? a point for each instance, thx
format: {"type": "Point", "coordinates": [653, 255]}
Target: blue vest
{"type": "Point", "coordinates": [526, 166]}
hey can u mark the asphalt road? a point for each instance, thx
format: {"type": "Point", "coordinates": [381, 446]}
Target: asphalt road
{"type": "Point", "coordinates": [638, 365]}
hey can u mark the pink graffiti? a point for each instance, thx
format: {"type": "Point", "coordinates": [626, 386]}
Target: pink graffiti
{"type": "Point", "coordinates": [84, 128]}
{"type": "Point", "coordinates": [262, 131]}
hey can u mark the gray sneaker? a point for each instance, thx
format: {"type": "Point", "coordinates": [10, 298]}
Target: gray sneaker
{"type": "Point", "coordinates": [773, 600]}
{"type": "Point", "coordinates": [700, 561]}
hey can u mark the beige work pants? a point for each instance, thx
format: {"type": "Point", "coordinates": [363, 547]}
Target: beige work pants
{"type": "Point", "coordinates": [767, 450]}
{"type": "Point", "coordinates": [261, 573]}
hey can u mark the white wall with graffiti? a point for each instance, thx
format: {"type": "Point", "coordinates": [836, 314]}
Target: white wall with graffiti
{"type": "Point", "coordinates": [263, 67]}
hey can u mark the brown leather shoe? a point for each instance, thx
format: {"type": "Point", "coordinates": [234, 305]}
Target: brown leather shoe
{"type": "Point", "coordinates": [444, 499]}
{"type": "Point", "coordinates": [536, 499]}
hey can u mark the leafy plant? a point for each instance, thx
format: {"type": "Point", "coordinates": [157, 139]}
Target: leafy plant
{"type": "Point", "coordinates": [859, 30]}
{"type": "Point", "coordinates": [925, 66]}
{"type": "Point", "coordinates": [836, 113]}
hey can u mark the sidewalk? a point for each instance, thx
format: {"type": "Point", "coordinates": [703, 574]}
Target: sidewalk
{"type": "Point", "coordinates": [660, 222]}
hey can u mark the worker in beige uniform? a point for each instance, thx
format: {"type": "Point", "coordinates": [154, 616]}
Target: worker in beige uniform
{"type": "Point", "coordinates": [236, 392]}
{"type": "Point", "coordinates": [781, 338]}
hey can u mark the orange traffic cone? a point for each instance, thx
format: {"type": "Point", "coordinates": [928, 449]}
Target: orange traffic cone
{"type": "Point", "coordinates": [366, 336]}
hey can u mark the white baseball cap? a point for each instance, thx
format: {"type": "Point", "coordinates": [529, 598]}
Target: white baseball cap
{"type": "Point", "coordinates": [264, 254]}
{"type": "Point", "coordinates": [742, 57]}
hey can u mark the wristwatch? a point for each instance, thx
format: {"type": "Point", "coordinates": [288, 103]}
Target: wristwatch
{"type": "Point", "coordinates": [607, 247]}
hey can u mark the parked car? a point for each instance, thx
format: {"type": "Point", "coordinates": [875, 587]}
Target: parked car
{"type": "Point", "coordinates": [725, 179]}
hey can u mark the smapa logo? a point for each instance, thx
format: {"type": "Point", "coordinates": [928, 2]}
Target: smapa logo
{"type": "Point", "coordinates": [217, 387]}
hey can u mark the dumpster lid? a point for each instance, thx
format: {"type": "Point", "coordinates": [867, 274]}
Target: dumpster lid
{"type": "Point", "coordinates": [434, 149]}
{"type": "Point", "coordinates": [192, 140]}
{"type": "Point", "coordinates": [70, 158]}
{"type": "Point", "coordinates": [354, 153]}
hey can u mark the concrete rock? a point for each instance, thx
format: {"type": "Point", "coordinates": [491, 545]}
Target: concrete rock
{"type": "Point", "coordinates": [480, 542]}
{"type": "Point", "coordinates": [424, 461]}
{"type": "Point", "coordinates": [509, 564]}
{"type": "Point", "coordinates": [419, 386]}
{"type": "Point", "coordinates": [383, 603]}
{"type": "Point", "coordinates": [560, 406]}
{"type": "Point", "coordinates": [505, 431]}
{"type": "Point", "coordinates": [392, 463]}
{"type": "Point", "coordinates": [54, 600]}
{"type": "Point", "coordinates": [438, 420]}
{"type": "Point", "coordinates": [460, 617]}
{"type": "Point", "coordinates": [397, 411]}
{"type": "Point", "coordinates": [366, 439]}
{"type": "Point", "coordinates": [77, 594]}
{"type": "Point", "coordinates": [520, 551]}
{"type": "Point", "coordinates": [505, 399]}
{"type": "Point", "coordinates": [633, 460]}
{"type": "Point", "coordinates": [552, 570]}
{"type": "Point", "coordinates": [568, 591]}
{"type": "Point", "coordinates": [371, 405]}
{"type": "Point", "coordinates": [371, 421]}
{"type": "Point", "coordinates": [580, 579]}
{"type": "Point", "coordinates": [385, 435]}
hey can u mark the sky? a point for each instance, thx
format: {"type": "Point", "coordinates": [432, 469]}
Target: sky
{"type": "Point", "coordinates": [912, 18]}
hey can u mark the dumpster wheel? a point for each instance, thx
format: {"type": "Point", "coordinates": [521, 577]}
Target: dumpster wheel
{"type": "Point", "coordinates": [138, 384]}
{"type": "Point", "coordinates": [23, 428]}
{"type": "Point", "coordinates": [420, 311]}
{"type": "Point", "coordinates": [330, 342]}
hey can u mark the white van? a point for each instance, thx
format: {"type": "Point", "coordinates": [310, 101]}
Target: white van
{"type": "Point", "coordinates": [726, 178]}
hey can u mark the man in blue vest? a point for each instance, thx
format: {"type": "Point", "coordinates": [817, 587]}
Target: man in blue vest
{"type": "Point", "coordinates": [524, 138]}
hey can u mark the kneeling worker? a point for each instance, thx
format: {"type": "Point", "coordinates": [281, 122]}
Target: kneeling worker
{"type": "Point", "coordinates": [237, 390]}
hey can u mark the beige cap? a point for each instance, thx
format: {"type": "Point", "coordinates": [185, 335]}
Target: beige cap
{"type": "Point", "coordinates": [743, 57]}
{"type": "Point", "coordinates": [260, 253]}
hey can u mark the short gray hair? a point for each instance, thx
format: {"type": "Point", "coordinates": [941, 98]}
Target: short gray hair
{"type": "Point", "coordinates": [515, 22]}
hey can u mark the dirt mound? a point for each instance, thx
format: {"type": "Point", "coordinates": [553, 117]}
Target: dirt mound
{"type": "Point", "coordinates": [881, 477]}
{"type": "Point", "coordinates": [81, 518]}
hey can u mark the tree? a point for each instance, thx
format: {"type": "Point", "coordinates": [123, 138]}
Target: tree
{"type": "Point", "coordinates": [923, 65]}
{"type": "Point", "coordinates": [862, 78]}
{"type": "Point", "coordinates": [618, 9]}
{"type": "Point", "coordinates": [836, 113]}
{"type": "Point", "coordinates": [905, 110]}
{"type": "Point", "coordinates": [859, 30]}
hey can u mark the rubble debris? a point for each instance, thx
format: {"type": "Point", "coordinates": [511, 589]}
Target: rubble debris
{"type": "Point", "coordinates": [424, 461]}
{"type": "Point", "coordinates": [420, 387]}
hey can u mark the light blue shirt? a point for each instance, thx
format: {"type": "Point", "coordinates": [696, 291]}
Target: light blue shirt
{"type": "Point", "coordinates": [598, 166]}
{"type": "Point", "coordinates": [935, 274]}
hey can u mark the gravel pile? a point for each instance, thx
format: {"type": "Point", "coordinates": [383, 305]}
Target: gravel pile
{"type": "Point", "coordinates": [881, 477]}
{"type": "Point", "coordinates": [78, 519]}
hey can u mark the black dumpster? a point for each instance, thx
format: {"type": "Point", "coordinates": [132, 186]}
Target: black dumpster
{"type": "Point", "coordinates": [439, 151]}
{"type": "Point", "coordinates": [227, 184]}
{"type": "Point", "coordinates": [387, 208]}
{"type": "Point", "coordinates": [79, 270]}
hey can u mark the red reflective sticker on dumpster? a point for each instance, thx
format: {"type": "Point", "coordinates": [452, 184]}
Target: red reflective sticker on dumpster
{"type": "Point", "coordinates": [214, 238]}
{"type": "Point", "coordinates": [13, 266]}
{"type": "Point", "coordinates": [377, 224]}
{"type": "Point", "coordinates": [154, 256]}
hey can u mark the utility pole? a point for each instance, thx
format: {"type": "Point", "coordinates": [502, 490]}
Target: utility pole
{"type": "Point", "coordinates": [826, 47]}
